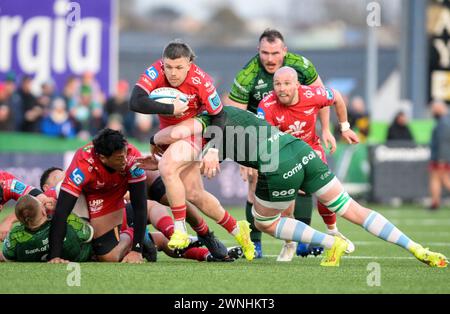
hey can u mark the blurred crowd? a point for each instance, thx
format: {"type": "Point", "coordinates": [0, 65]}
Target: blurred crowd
{"type": "Point", "coordinates": [80, 109]}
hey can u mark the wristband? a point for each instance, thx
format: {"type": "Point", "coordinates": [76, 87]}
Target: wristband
{"type": "Point", "coordinates": [345, 126]}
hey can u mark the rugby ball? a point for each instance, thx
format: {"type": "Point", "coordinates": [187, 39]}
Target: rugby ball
{"type": "Point", "coordinates": [167, 95]}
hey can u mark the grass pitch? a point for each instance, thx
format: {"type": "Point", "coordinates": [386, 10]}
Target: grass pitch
{"type": "Point", "coordinates": [400, 272]}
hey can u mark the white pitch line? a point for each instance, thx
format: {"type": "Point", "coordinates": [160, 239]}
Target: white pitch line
{"type": "Point", "coordinates": [361, 257]}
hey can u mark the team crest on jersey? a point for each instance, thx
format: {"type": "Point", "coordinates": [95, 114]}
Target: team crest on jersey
{"type": "Point", "coordinates": [136, 172]}
{"type": "Point", "coordinates": [214, 101]}
{"type": "Point", "coordinates": [152, 73]}
{"type": "Point", "coordinates": [330, 94]}
{"type": "Point", "coordinates": [17, 187]}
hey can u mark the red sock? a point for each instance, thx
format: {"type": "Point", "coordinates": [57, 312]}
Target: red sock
{"type": "Point", "coordinates": [179, 212]}
{"type": "Point", "coordinates": [328, 216]}
{"type": "Point", "coordinates": [165, 225]}
{"type": "Point", "coordinates": [124, 221]}
{"type": "Point", "coordinates": [197, 253]}
{"type": "Point", "coordinates": [130, 232]}
{"type": "Point", "coordinates": [202, 228]}
{"type": "Point", "coordinates": [228, 222]}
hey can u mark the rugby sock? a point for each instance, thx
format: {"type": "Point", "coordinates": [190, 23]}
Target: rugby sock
{"type": "Point", "coordinates": [166, 226]}
{"type": "Point", "coordinates": [202, 228]}
{"type": "Point", "coordinates": [294, 230]}
{"type": "Point", "coordinates": [229, 223]}
{"type": "Point", "coordinates": [379, 226]}
{"type": "Point", "coordinates": [128, 231]}
{"type": "Point", "coordinates": [329, 218]}
{"type": "Point", "coordinates": [196, 253]}
{"type": "Point", "coordinates": [179, 215]}
{"type": "Point", "coordinates": [255, 234]}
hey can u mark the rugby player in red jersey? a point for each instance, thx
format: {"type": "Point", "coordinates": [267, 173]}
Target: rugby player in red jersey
{"type": "Point", "coordinates": [181, 175]}
{"type": "Point", "coordinates": [293, 108]}
{"type": "Point", "coordinates": [103, 171]}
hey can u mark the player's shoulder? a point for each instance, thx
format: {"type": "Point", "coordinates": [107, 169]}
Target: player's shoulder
{"type": "Point", "coordinates": [19, 234]}
{"type": "Point", "coordinates": [5, 175]}
{"type": "Point", "coordinates": [132, 150]}
{"type": "Point", "coordinates": [269, 100]}
{"type": "Point", "coordinates": [297, 61]}
{"type": "Point", "coordinates": [250, 71]}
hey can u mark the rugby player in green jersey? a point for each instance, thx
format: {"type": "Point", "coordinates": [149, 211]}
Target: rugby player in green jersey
{"type": "Point", "coordinates": [251, 85]}
{"type": "Point", "coordinates": [28, 241]}
{"type": "Point", "coordinates": [286, 164]}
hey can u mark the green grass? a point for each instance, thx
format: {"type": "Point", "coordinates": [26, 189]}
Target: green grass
{"type": "Point", "coordinates": [399, 272]}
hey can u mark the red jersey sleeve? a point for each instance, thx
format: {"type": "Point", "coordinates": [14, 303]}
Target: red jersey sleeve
{"type": "Point", "coordinates": [207, 92]}
{"type": "Point", "coordinates": [324, 96]}
{"type": "Point", "coordinates": [264, 110]}
{"type": "Point", "coordinates": [77, 175]}
{"type": "Point", "coordinates": [13, 188]}
{"type": "Point", "coordinates": [152, 77]}
{"type": "Point", "coordinates": [134, 173]}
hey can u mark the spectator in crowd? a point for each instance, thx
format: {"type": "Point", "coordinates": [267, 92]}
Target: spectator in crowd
{"type": "Point", "coordinates": [31, 110]}
{"type": "Point", "coordinates": [47, 96]}
{"type": "Point", "coordinates": [143, 128]}
{"type": "Point", "coordinates": [399, 130]}
{"type": "Point", "coordinates": [115, 122]}
{"type": "Point", "coordinates": [440, 154]}
{"type": "Point", "coordinates": [88, 79]}
{"type": "Point", "coordinates": [6, 121]}
{"type": "Point", "coordinates": [118, 104]}
{"type": "Point", "coordinates": [58, 123]}
{"type": "Point", "coordinates": [88, 114]}
{"type": "Point", "coordinates": [358, 117]}
{"type": "Point", "coordinates": [13, 99]}
{"type": "Point", "coordinates": [70, 92]}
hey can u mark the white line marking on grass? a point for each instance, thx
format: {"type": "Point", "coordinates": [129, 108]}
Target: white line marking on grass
{"type": "Point", "coordinates": [360, 257]}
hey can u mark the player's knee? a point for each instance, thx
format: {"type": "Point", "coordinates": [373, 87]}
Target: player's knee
{"type": "Point", "coordinates": [106, 246]}
{"type": "Point", "coordinates": [264, 223]}
{"type": "Point", "coordinates": [167, 169]}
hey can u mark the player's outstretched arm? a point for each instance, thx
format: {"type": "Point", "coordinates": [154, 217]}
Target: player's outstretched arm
{"type": "Point", "coordinates": [58, 227]}
{"type": "Point", "coordinates": [6, 225]}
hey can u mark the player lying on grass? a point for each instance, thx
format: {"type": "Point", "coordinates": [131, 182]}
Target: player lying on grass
{"type": "Point", "coordinates": [181, 176]}
{"type": "Point", "coordinates": [157, 215]}
{"type": "Point", "coordinates": [28, 241]}
{"type": "Point", "coordinates": [286, 164]}
{"type": "Point", "coordinates": [11, 188]}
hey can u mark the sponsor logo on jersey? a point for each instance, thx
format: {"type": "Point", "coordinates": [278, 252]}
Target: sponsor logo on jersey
{"type": "Point", "coordinates": [319, 91]}
{"type": "Point", "coordinates": [261, 84]}
{"type": "Point", "coordinates": [207, 84]}
{"type": "Point", "coordinates": [299, 166]}
{"type": "Point", "coordinates": [199, 72]}
{"type": "Point", "coordinates": [152, 73]}
{"type": "Point", "coordinates": [77, 176]}
{"type": "Point", "coordinates": [196, 80]}
{"type": "Point", "coordinates": [276, 136]}
{"type": "Point", "coordinates": [308, 112]}
{"type": "Point", "coordinates": [260, 114]}
{"type": "Point", "coordinates": [18, 187]}
{"type": "Point", "coordinates": [214, 101]}
{"type": "Point", "coordinates": [95, 205]}
{"type": "Point", "coordinates": [280, 119]}
{"type": "Point", "coordinates": [283, 193]}
{"type": "Point", "coordinates": [269, 103]}
{"type": "Point", "coordinates": [100, 185]}
{"type": "Point", "coordinates": [308, 93]}
{"type": "Point", "coordinates": [330, 94]}
{"type": "Point", "coordinates": [136, 172]}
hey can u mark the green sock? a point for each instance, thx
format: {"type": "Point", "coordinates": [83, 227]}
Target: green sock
{"type": "Point", "coordinates": [303, 208]}
{"type": "Point", "coordinates": [255, 234]}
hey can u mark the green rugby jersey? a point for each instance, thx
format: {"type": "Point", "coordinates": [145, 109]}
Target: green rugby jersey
{"type": "Point", "coordinates": [23, 245]}
{"type": "Point", "coordinates": [253, 83]}
{"type": "Point", "coordinates": [249, 140]}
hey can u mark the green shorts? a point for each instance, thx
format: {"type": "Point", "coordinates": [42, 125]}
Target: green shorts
{"type": "Point", "coordinates": [299, 168]}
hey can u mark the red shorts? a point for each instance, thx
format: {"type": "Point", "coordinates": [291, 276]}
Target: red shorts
{"type": "Point", "coordinates": [438, 165]}
{"type": "Point", "coordinates": [318, 149]}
